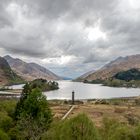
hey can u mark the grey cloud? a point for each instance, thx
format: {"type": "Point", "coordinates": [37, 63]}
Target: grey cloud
{"type": "Point", "coordinates": [5, 19]}
{"type": "Point", "coordinates": [95, 58]}
{"type": "Point", "coordinates": [29, 46]}
{"type": "Point", "coordinates": [52, 9]}
{"type": "Point", "coordinates": [60, 29]}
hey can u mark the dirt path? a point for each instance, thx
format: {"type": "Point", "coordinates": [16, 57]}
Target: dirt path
{"type": "Point", "coordinates": [70, 110]}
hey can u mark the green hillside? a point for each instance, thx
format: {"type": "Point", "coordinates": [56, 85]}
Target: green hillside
{"type": "Point", "coordinates": [132, 74]}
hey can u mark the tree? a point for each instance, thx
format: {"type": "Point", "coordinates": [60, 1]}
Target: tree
{"type": "Point", "coordinates": [42, 84]}
{"type": "Point", "coordinates": [34, 114]}
{"type": "Point", "coordinates": [26, 90]}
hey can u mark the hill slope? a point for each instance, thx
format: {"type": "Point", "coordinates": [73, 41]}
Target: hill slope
{"type": "Point", "coordinates": [112, 68]}
{"type": "Point", "coordinates": [30, 71]}
{"type": "Point", "coordinates": [84, 76]}
{"type": "Point", "coordinates": [7, 76]}
{"type": "Point", "coordinates": [132, 74]}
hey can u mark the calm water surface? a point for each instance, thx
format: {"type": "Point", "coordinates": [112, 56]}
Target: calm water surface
{"type": "Point", "coordinates": [87, 91]}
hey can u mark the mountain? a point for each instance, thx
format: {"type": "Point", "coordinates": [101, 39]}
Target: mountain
{"type": "Point", "coordinates": [7, 76]}
{"type": "Point", "coordinates": [30, 71]}
{"type": "Point", "coordinates": [115, 66]}
{"type": "Point", "coordinates": [84, 75]}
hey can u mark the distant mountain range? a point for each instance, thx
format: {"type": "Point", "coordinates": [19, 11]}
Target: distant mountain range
{"type": "Point", "coordinates": [7, 75]}
{"type": "Point", "coordinates": [84, 75]}
{"type": "Point", "coordinates": [112, 68]}
{"type": "Point", "coordinates": [14, 70]}
{"type": "Point", "coordinates": [30, 71]}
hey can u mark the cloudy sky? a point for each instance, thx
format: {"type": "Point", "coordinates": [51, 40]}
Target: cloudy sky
{"type": "Point", "coordinates": [70, 37]}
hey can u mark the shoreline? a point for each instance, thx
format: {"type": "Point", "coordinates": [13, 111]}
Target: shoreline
{"type": "Point", "coordinates": [18, 94]}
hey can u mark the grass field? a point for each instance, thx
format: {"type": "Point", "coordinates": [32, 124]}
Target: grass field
{"type": "Point", "coordinates": [124, 110]}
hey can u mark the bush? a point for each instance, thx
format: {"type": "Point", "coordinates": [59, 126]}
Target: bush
{"type": "Point", "coordinates": [15, 134]}
{"type": "Point", "coordinates": [137, 132]}
{"type": "Point", "coordinates": [5, 121]}
{"type": "Point", "coordinates": [108, 128]}
{"type": "Point", "coordinates": [77, 128]}
{"type": "Point", "coordinates": [113, 130]}
{"type": "Point", "coordinates": [122, 133]}
{"type": "Point", "coordinates": [8, 106]}
{"type": "Point", "coordinates": [3, 135]}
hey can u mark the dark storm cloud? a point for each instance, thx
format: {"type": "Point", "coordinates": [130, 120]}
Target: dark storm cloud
{"type": "Point", "coordinates": [87, 33]}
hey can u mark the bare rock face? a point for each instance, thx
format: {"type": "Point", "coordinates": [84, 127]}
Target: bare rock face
{"type": "Point", "coordinates": [112, 68]}
{"type": "Point", "coordinates": [30, 71]}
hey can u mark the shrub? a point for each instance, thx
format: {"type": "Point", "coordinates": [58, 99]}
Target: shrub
{"type": "Point", "coordinates": [15, 134]}
{"type": "Point", "coordinates": [3, 135]}
{"type": "Point", "coordinates": [122, 133]}
{"type": "Point", "coordinates": [5, 121]}
{"type": "Point", "coordinates": [77, 128]}
{"type": "Point", "coordinates": [113, 130]}
{"type": "Point", "coordinates": [108, 127]}
{"type": "Point", "coordinates": [9, 106]}
{"type": "Point", "coordinates": [137, 132]}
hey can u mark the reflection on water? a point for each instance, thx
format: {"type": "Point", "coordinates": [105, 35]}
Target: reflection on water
{"type": "Point", "coordinates": [89, 91]}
